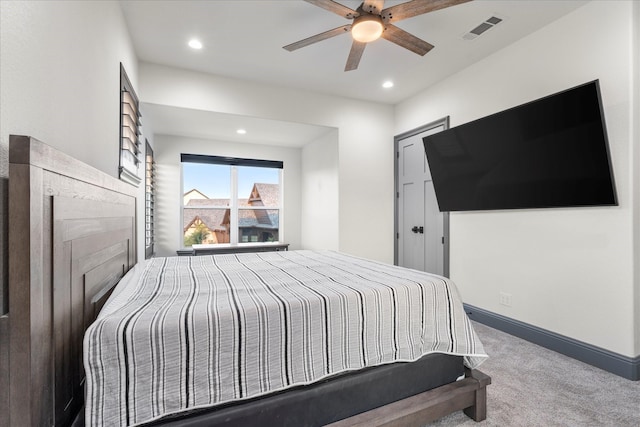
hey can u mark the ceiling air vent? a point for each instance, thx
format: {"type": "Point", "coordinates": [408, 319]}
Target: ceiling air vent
{"type": "Point", "coordinates": [480, 29]}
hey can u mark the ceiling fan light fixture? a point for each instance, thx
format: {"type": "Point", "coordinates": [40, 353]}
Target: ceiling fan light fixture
{"type": "Point", "coordinates": [367, 28]}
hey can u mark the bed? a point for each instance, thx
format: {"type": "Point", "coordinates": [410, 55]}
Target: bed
{"type": "Point", "coordinates": [80, 254]}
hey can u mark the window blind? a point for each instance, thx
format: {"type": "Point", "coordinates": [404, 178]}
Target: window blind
{"type": "Point", "coordinates": [232, 161]}
{"type": "Point", "coordinates": [130, 145]}
{"type": "Point", "coordinates": [149, 201]}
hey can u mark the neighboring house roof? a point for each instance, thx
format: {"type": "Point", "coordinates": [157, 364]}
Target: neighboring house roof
{"type": "Point", "coordinates": [207, 203]}
{"type": "Point", "coordinates": [268, 194]}
{"type": "Point", "coordinates": [258, 219]}
{"type": "Point", "coordinates": [212, 218]}
{"type": "Point", "coordinates": [263, 218]}
{"type": "Point", "coordinates": [195, 193]}
{"type": "Point", "coordinates": [217, 219]}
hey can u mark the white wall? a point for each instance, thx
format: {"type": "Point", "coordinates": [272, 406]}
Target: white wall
{"type": "Point", "coordinates": [60, 65]}
{"type": "Point", "coordinates": [60, 82]}
{"type": "Point", "coordinates": [320, 193]}
{"type": "Point", "coordinates": [570, 271]}
{"type": "Point", "coordinates": [167, 152]}
{"type": "Point", "coordinates": [365, 137]}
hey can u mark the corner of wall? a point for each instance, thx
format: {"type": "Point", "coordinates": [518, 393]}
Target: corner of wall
{"type": "Point", "coordinates": [320, 193]}
{"type": "Point", "coordinates": [635, 167]}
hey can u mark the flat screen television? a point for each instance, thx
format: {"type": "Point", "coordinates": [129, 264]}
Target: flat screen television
{"type": "Point", "coordinates": [552, 152]}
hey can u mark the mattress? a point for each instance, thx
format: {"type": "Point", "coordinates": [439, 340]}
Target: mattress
{"type": "Point", "coordinates": [182, 333]}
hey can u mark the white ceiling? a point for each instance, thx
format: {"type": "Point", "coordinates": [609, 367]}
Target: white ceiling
{"type": "Point", "coordinates": [243, 39]}
{"type": "Point", "coordinates": [176, 121]}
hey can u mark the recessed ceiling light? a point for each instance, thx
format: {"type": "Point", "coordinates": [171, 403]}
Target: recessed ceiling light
{"type": "Point", "coordinates": [195, 44]}
{"type": "Point", "coordinates": [388, 84]}
{"type": "Point", "coordinates": [241, 131]}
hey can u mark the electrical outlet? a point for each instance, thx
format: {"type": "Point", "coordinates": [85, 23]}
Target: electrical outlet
{"type": "Point", "coordinates": [504, 299]}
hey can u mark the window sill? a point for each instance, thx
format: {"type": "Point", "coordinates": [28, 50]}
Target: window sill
{"type": "Point", "coordinates": [226, 248]}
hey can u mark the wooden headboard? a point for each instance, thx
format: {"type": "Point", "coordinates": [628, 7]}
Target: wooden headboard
{"type": "Point", "coordinates": [71, 238]}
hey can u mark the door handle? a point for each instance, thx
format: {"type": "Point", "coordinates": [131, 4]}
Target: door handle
{"type": "Point", "coordinates": [417, 229]}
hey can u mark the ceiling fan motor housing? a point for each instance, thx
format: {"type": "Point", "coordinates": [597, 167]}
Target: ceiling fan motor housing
{"type": "Point", "coordinates": [367, 27]}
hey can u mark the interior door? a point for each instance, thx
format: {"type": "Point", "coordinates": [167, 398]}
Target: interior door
{"type": "Point", "coordinates": [421, 229]}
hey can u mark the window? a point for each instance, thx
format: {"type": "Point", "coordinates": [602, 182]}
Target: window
{"type": "Point", "coordinates": [149, 201]}
{"type": "Point", "coordinates": [230, 200]}
{"type": "Point", "coordinates": [130, 150]}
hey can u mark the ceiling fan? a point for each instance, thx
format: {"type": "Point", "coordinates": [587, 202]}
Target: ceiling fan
{"type": "Point", "coordinates": [371, 21]}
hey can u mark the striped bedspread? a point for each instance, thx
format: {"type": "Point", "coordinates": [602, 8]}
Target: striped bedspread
{"type": "Point", "coordinates": [187, 332]}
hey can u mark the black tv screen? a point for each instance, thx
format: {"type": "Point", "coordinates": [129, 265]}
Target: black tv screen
{"type": "Point", "coordinates": [552, 152]}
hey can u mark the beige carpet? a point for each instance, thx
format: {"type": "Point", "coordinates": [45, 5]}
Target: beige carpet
{"type": "Point", "coordinates": [533, 386]}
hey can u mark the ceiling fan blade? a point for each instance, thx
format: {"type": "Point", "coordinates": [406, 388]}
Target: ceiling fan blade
{"type": "Point", "coordinates": [335, 7]}
{"type": "Point", "coordinates": [373, 6]}
{"type": "Point", "coordinates": [406, 40]}
{"type": "Point", "coordinates": [318, 37]}
{"type": "Point", "coordinates": [415, 8]}
{"type": "Point", "coordinates": [354, 55]}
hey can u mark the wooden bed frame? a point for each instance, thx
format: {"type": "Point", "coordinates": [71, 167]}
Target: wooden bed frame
{"type": "Point", "coordinates": [72, 236]}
